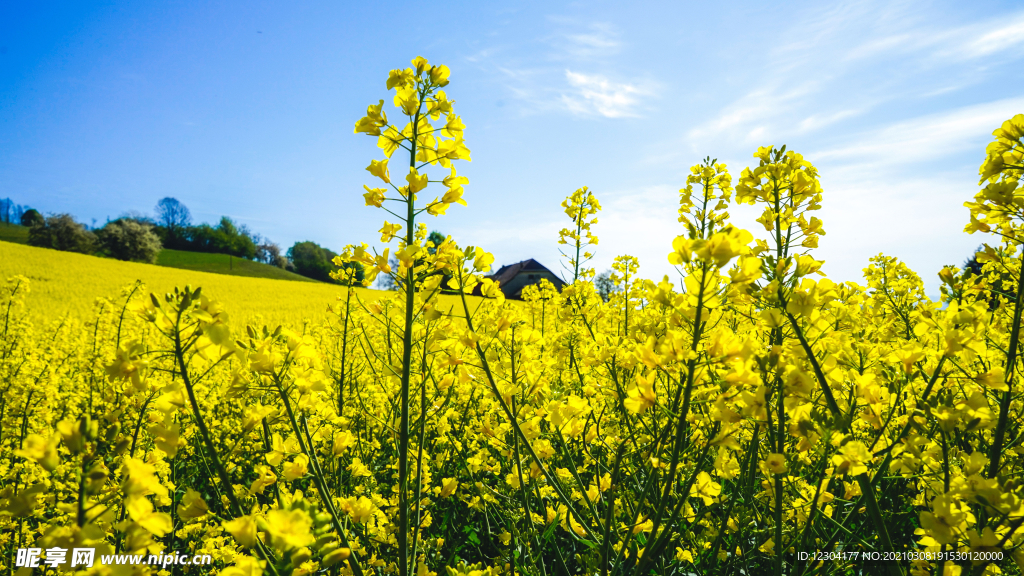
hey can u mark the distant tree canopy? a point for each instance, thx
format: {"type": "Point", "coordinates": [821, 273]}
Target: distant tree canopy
{"type": "Point", "coordinates": [387, 281]}
{"type": "Point", "coordinates": [61, 232]}
{"type": "Point", "coordinates": [174, 217]}
{"type": "Point", "coordinates": [604, 285]}
{"type": "Point", "coordinates": [312, 261]}
{"type": "Point", "coordinates": [173, 226]}
{"type": "Point", "coordinates": [225, 238]}
{"type": "Point", "coordinates": [1000, 285]}
{"type": "Point", "coordinates": [137, 237]}
{"type": "Point", "coordinates": [31, 217]}
{"type": "Point", "coordinates": [130, 239]}
{"type": "Point", "coordinates": [437, 238]}
{"type": "Point", "coordinates": [269, 253]}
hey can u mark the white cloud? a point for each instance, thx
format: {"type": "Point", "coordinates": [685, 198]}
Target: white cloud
{"type": "Point", "coordinates": [595, 41]}
{"type": "Point", "coordinates": [879, 197]}
{"type": "Point", "coordinates": [481, 55]}
{"type": "Point", "coordinates": [595, 94]}
{"type": "Point", "coordinates": [817, 121]}
{"type": "Point", "coordinates": [940, 46]}
{"type": "Point", "coordinates": [879, 46]}
{"type": "Point", "coordinates": [1007, 36]}
{"type": "Point", "coordinates": [747, 119]}
{"type": "Point", "coordinates": [925, 138]}
{"type": "Point", "coordinates": [857, 91]}
{"type": "Point", "coordinates": [820, 78]}
{"type": "Point", "coordinates": [554, 82]}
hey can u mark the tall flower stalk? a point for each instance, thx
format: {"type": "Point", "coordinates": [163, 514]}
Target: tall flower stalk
{"type": "Point", "coordinates": [419, 96]}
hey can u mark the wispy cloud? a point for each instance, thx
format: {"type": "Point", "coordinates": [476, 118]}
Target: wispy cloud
{"type": "Point", "coordinates": [561, 80]}
{"type": "Point", "coordinates": [874, 94]}
{"type": "Point", "coordinates": [597, 40]}
{"type": "Point", "coordinates": [818, 121]}
{"type": "Point", "coordinates": [938, 45]}
{"type": "Point", "coordinates": [761, 112]}
{"type": "Point", "coordinates": [899, 188]}
{"type": "Point", "coordinates": [925, 138]}
{"type": "Point", "coordinates": [1009, 35]}
{"type": "Point", "coordinates": [592, 94]}
{"type": "Point", "coordinates": [819, 79]}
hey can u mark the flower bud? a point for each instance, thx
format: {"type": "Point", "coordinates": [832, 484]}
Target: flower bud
{"type": "Point", "coordinates": [122, 446]}
{"type": "Point", "coordinates": [300, 556]}
{"type": "Point", "coordinates": [335, 557]}
{"type": "Point", "coordinates": [84, 426]}
{"type": "Point", "coordinates": [72, 435]}
{"type": "Point", "coordinates": [324, 540]}
{"type": "Point", "coordinates": [50, 461]}
{"type": "Point", "coordinates": [112, 432]}
{"type": "Point", "coordinates": [98, 472]}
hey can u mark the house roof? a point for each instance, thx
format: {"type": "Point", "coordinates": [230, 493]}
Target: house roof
{"type": "Point", "coordinates": [510, 271]}
{"type": "Point", "coordinates": [507, 273]}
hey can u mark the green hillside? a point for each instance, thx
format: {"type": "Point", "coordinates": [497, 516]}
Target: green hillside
{"type": "Point", "coordinates": [198, 261]}
{"type": "Point", "coordinates": [13, 233]}
{"type": "Point", "coordinates": [223, 264]}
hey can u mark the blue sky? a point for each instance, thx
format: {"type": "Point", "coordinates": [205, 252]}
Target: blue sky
{"type": "Point", "coordinates": [246, 109]}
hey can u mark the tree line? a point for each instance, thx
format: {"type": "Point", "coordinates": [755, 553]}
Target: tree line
{"type": "Point", "coordinates": [140, 238]}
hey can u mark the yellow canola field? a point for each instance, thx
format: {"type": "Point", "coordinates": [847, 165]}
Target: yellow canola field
{"type": "Point", "coordinates": [753, 419]}
{"type": "Point", "coordinates": [67, 284]}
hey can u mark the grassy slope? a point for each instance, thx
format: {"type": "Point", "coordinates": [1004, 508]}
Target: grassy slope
{"type": "Point", "coordinates": [13, 233]}
{"type": "Point", "coordinates": [223, 264]}
{"type": "Point", "coordinates": [199, 261]}
{"type": "Point", "coordinates": [68, 283]}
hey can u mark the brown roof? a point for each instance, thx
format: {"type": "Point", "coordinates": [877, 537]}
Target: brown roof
{"type": "Point", "coordinates": [507, 273]}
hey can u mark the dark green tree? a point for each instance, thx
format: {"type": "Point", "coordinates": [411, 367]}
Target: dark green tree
{"type": "Point", "coordinates": [61, 232]}
{"type": "Point", "coordinates": [173, 222]}
{"type": "Point", "coordinates": [31, 217]}
{"type": "Point", "coordinates": [225, 238]}
{"type": "Point", "coordinates": [604, 285]}
{"type": "Point", "coordinates": [129, 239]}
{"type": "Point", "coordinates": [312, 261]}
{"type": "Point", "coordinates": [435, 237]}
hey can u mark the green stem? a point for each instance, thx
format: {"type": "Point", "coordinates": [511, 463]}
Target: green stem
{"type": "Point", "coordinates": [1011, 367]}
{"type": "Point", "coordinates": [80, 516]}
{"type": "Point", "coordinates": [211, 450]}
{"type": "Point", "coordinates": [781, 447]}
{"type": "Point", "coordinates": [551, 479]}
{"type": "Point", "coordinates": [403, 431]}
{"type": "Point", "coordinates": [865, 482]}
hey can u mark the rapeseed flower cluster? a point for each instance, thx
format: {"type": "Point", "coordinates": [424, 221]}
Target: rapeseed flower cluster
{"type": "Point", "coordinates": [724, 421]}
